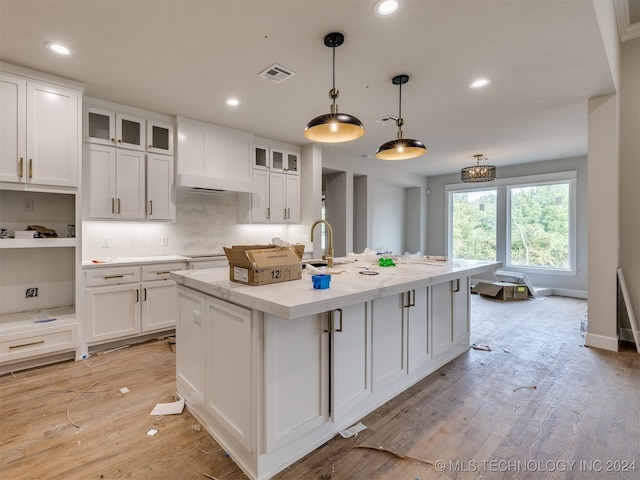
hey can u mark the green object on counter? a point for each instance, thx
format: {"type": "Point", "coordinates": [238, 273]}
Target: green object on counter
{"type": "Point", "coordinates": [386, 262]}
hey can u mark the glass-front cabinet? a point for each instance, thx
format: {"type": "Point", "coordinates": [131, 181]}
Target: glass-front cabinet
{"type": "Point", "coordinates": [159, 137]}
{"type": "Point", "coordinates": [106, 127]}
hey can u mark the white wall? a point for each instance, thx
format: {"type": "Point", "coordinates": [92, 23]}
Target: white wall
{"type": "Point", "coordinates": [387, 217]}
{"type": "Point", "coordinates": [630, 175]}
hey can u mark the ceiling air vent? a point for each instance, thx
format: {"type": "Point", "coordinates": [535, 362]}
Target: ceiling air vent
{"type": "Point", "coordinates": [277, 73]}
{"type": "Point", "coordinates": [387, 120]}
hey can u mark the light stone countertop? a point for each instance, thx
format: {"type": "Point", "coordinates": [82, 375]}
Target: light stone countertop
{"type": "Point", "coordinates": [298, 298]}
{"type": "Point", "coordinates": [120, 261]}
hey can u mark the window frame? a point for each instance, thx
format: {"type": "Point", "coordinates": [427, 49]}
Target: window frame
{"type": "Point", "coordinates": [503, 220]}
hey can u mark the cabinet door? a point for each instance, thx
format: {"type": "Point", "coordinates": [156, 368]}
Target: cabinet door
{"type": "Point", "coordinates": [441, 317]}
{"type": "Point", "coordinates": [159, 137]}
{"type": "Point", "coordinates": [52, 135]}
{"type": "Point", "coordinates": [277, 197]}
{"type": "Point", "coordinates": [13, 124]}
{"type": "Point", "coordinates": [260, 198]}
{"type": "Point", "coordinates": [292, 198]}
{"type": "Point", "coordinates": [99, 126]}
{"type": "Point", "coordinates": [388, 333]}
{"type": "Point", "coordinates": [160, 201]}
{"type": "Point", "coordinates": [278, 160]}
{"type": "Point", "coordinates": [418, 344]}
{"type": "Point", "coordinates": [99, 177]}
{"type": "Point", "coordinates": [190, 346]}
{"type": "Point", "coordinates": [350, 358]}
{"type": "Point", "coordinates": [229, 362]}
{"type": "Point", "coordinates": [130, 132]}
{"type": "Point", "coordinates": [130, 182]}
{"type": "Point", "coordinates": [292, 163]}
{"type": "Point", "coordinates": [159, 307]}
{"type": "Point", "coordinates": [112, 312]}
{"type": "Point", "coordinates": [460, 314]}
{"type": "Point", "coordinates": [260, 157]}
{"type": "Point", "coordinates": [296, 386]}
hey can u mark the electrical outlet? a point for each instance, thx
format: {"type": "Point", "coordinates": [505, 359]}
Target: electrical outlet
{"type": "Point", "coordinates": [305, 238]}
{"type": "Point", "coordinates": [164, 241]}
{"type": "Point", "coordinates": [27, 205]}
{"type": "Point", "coordinates": [31, 292]}
{"type": "Point", "coordinates": [105, 242]}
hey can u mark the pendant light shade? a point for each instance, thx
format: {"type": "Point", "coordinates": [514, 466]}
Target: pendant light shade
{"type": "Point", "coordinates": [478, 173]}
{"type": "Point", "coordinates": [400, 148]}
{"type": "Point", "coordinates": [334, 127]}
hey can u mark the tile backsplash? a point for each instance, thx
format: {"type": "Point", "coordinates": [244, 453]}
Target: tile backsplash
{"type": "Point", "coordinates": [204, 224]}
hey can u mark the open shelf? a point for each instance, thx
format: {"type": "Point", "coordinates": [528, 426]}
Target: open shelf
{"type": "Point", "coordinates": [37, 242]}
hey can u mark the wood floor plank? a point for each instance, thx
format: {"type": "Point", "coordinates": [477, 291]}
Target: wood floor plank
{"type": "Point", "coordinates": [478, 414]}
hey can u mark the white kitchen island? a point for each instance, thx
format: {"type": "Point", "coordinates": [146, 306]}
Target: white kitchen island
{"type": "Point", "coordinates": [274, 371]}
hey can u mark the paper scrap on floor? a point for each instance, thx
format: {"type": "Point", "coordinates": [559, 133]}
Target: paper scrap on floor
{"type": "Point", "coordinates": [351, 431]}
{"type": "Point", "coordinates": [173, 408]}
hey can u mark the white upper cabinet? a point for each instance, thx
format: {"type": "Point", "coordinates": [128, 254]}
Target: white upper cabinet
{"type": "Point", "coordinates": [108, 127]}
{"type": "Point", "coordinates": [39, 139]}
{"type": "Point", "coordinates": [159, 137]}
{"type": "Point", "coordinates": [276, 178]}
{"type": "Point", "coordinates": [160, 196]}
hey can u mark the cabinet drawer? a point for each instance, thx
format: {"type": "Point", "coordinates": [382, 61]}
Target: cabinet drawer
{"type": "Point", "coordinates": [111, 276]}
{"type": "Point", "coordinates": [33, 343]}
{"type": "Point", "coordinates": [161, 271]}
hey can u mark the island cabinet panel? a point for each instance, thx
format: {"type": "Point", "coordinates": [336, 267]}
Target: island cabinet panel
{"type": "Point", "coordinates": [191, 341]}
{"type": "Point", "coordinates": [418, 342]}
{"type": "Point", "coordinates": [229, 359]}
{"type": "Point", "coordinates": [388, 332]}
{"type": "Point", "coordinates": [450, 314]}
{"type": "Point", "coordinates": [350, 357]}
{"type": "Point", "coordinates": [296, 384]}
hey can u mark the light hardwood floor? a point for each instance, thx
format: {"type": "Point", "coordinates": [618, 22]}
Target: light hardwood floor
{"type": "Point", "coordinates": [480, 415]}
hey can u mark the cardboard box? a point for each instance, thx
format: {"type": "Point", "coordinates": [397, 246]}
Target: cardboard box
{"type": "Point", "coordinates": [264, 264]}
{"type": "Point", "coordinates": [502, 291]}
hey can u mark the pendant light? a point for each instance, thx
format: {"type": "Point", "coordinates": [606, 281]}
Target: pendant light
{"type": "Point", "coordinates": [400, 148]}
{"type": "Point", "coordinates": [334, 127]}
{"type": "Point", "coordinates": [478, 173]}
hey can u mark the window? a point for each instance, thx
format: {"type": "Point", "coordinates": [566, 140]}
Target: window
{"type": "Point", "coordinates": [474, 224]}
{"type": "Point", "coordinates": [539, 231]}
{"type": "Point", "coordinates": [527, 223]}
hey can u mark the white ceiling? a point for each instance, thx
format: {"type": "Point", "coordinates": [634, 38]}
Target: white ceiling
{"type": "Point", "coordinates": [545, 59]}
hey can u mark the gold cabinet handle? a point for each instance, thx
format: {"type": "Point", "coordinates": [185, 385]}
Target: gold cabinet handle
{"type": "Point", "coordinates": [113, 140]}
{"type": "Point", "coordinates": [119, 140]}
{"type": "Point", "coordinates": [118, 203]}
{"type": "Point", "coordinates": [457, 287]}
{"type": "Point", "coordinates": [145, 295]}
{"type": "Point", "coordinates": [113, 205]}
{"type": "Point", "coordinates": [150, 207]}
{"type": "Point", "coordinates": [109, 277]}
{"type": "Point", "coordinates": [163, 273]}
{"type": "Point", "coordinates": [328, 329]}
{"type": "Point", "coordinates": [411, 299]}
{"type": "Point", "coordinates": [268, 213]}
{"type": "Point", "coordinates": [137, 295]}
{"type": "Point", "coordinates": [21, 167]}
{"type": "Point", "coordinates": [30, 168]}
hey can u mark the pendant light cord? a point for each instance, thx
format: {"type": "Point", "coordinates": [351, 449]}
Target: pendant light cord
{"type": "Point", "coordinates": [333, 90]}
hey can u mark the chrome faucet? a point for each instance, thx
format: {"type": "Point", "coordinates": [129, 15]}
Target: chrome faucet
{"type": "Point", "coordinates": [329, 253]}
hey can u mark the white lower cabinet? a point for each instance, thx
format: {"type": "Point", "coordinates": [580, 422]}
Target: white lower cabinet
{"type": "Point", "coordinates": [296, 380]}
{"type": "Point", "coordinates": [129, 301]}
{"type": "Point", "coordinates": [350, 357]}
{"type": "Point", "coordinates": [229, 359]}
{"type": "Point", "coordinates": [450, 315]}
{"type": "Point", "coordinates": [418, 338]}
{"type": "Point", "coordinates": [389, 340]}
{"type": "Point", "coordinates": [190, 351]}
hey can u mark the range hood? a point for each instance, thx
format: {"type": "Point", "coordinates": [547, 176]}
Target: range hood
{"type": "Point", "coordinates": [201, 184]}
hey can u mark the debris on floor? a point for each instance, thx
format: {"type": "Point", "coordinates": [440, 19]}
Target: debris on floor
{"type": "Point", "coordinates": [528, 387]}
{"type": "Point", "coordinates": [485, 348]}
{"type": "Point", "coordinates": [173, 408]}
{"type": "Point", "coordinates": [74, 400]}
{"type": "Point", "coordinates": [401, 456]}
{"type": "Point", "coordinates": [152, 432]}
{"type": "Point", "coordinates": [353, 430]}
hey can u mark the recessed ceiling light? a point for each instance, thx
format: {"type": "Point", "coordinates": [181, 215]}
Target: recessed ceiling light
{"type": "Point", "coordinates": [59, 49]}
{"type": "Point", "coordinates": [387, 7]}
{"type": "Point", "coordinates": [481, 82]}
{"type": "Point", "coordinates": [233, 102]}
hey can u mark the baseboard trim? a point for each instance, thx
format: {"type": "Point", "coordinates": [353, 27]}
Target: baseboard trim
{"type": "Point", "coordinates": [566, 292]}
{"type": "Point", "coordinates": [600, 341]}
